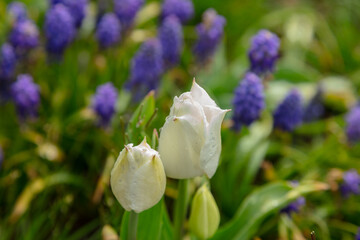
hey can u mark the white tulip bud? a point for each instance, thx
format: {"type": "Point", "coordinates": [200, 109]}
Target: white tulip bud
{"type": "Point", "coordinates": [190, 140]}
{"type": "Point", "coordinates": [138, 179]}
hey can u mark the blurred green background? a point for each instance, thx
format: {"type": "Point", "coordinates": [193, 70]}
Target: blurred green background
{"type": "Point", "coordinates": [54, 178]}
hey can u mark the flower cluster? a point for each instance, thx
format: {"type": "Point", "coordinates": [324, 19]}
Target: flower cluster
{"type": "Point", "coordinates": [126, 11]}
{"type": "Point", "coordinates": [288, 114]}
{"type": "Point", "coordinates": [248, 101]}
{"type": "Point", "coordinates": [59, 29]}
{"type": "Point", "coordinates": [77, 9]}
{"type": "Point", "coordinates": [183, 9]}
{"type": "Point", "coordinates": [7, 61]}
{"type": "Point", "coordinates": [146, 69]}
{"type": "Point", "coordinates": [17, 11]}
{"type": "Point", "coordinates": [171, 39]}
{"type": "Point", "coordinates": [26, 96]}
{"type": "Point", "coordinates": [264, 52]}
{"type": "Point", "coordinates": [209, 32]}
{"type": "Point", "coordinates": [104, 101]}
{"type": "Point", "coordinates": [24, 35]}
{"type": "Point", "coordinates": [108, 30]}
{"type": "Point", "coordinates": [315, 108]}
{"type": "Point", "coordinates": [353, 125]}
{"type": "Point", "coordinates": [351, 183]}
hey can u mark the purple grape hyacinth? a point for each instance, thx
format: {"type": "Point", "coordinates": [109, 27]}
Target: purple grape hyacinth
{"type": "Point", "coordinates": [76, 8]}
{"type": "Point", "coordinates": [183, 9]}
{"type": "Point", "coordinates": [315, 108]}
{"type": "Point", "coordinates": [264, 52]}
{"type": "Point", "coordinates": [146, 69]}
{"type": "Point", "coordinates": [248, 101]}
{"type": "Point", "coordinates": [126, 11]}
{"type": "Point", "coordinates": [24, 35]}
{"type": "Point", "coordinates": [104, 101]}
{"type": "Point", "coordinates": [17, 11]}
{"type": "Point", "coordinates": [357, 237]}
{"type": "Point", "coordinates": [210, 33]}
{"type": "Point", "coordinates": [108, 31]}
{"type": "Point", "coordinates": [7, 61]}
{"type": "Point", "coordinates": [288, 114]}
{"type": "Point", "coordinates": [26, 96]}
{"type": "Point", "coordinates": [294, 206]}
{"type": "Point", "coordinates": [353, 125]}
{"type": "Point", "coordinates": [59, 29]}
{"type": "Point", "coordinates": [351, 183]}
{"type": "Point", "coordinates": [171, 39]}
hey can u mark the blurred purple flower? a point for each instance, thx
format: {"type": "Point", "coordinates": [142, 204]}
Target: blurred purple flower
{"type": "Point", "coordinates": [24, 35]}
{"type": "Point", "coordinates": [289, 112]}
{"type": "Point", "coordinates": [264, 52]}
{"type": "Point", "coordinates": [171, 39]}
{"type": "Point", "coordinates": [104, 101]}
{"type": "Point", "coordinates": [146, 69]}
{"type": "Point", "coordinates": [17, 11]}
{"type": "Point", "coordinates": [183, 9]}
{"type": "Point", "coordinates": [351, 183]}
{"type": "Point", "coordinates": [7, 61]}
{"type": "Point", "coordinates": [248, 101]}
{"type": "Point", "coordinates": [315, 108]}
{"type": "Point", "coordinates": [353, 125]}
{"type": "Point", "coordinates": [77, 9]}
{"type": "Point", "coordinates": [26, 96]}
{"type": "Point", "coordinates": [108, 30]}
{"type": "Point", "coordinates": [126, 11]}
{"type": "Point", "coordinates": [59, 29]}
{"type": "Point", "coordinates": [209, 32]}
{"type": "Point", "coordinates": [357, 237]}
{"type": "Point", "coordinates": [294, 206]}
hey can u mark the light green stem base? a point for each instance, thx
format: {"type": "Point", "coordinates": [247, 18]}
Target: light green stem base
{"type": "Point", "coordinates": [132, 228]}
{"type": "Point", "coordinates": [181, 206]}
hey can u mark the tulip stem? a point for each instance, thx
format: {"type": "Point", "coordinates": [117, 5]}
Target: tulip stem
{"type": "Point", "coordinates": [181, 207]}
{"type": "Point", "coordinates": [132, 227]}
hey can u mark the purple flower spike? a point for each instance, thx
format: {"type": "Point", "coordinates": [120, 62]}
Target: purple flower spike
{"type": "Point", "coordinates": [264, 52]}
{"type": "Point", "coordinates": [126, 11]}
{"type": "Point", "coordinates": [248, 101]}
{"type": "Point", "coordinates": [294, 206]}
{"type": "Point", "coordinates": [353, 125]}
{"type": "Point", "coordinates": [146, 69]}
{"type": "Point", "coordinates": [103, 103]}
{"type": "Point", "coordinates": [357, 237]}
{"type": "Point", "coordinates": [210, 33]}
{"type": "Point", "coordinates": [351, 183]}
{"type": "Point", "coordinates": [183, 9]}
{"type": "Point", "coordinates": [288, 115]}
{"type": "Point", "coordinates": [108, 30]}
{"type": "Point", "coordinates": [171, 39]}
{"type": "Point", "coordinates": [17, 11]}
{"type": "Point", "coordinates": [315, 108]}
{"type": "Point", "coordinates": [59, 29]}
{"type": "Point", "coordinates": [7, 61]}
{"type": "Point", "coordinates": [24, 35]}
{"type": "Point", "coordinates": [77, 9]}
{"type": "Point", "coordinates": [26, 96]}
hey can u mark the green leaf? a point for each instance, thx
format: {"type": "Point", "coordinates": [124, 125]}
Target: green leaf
{"type": "Point", "coordinates": [260, 204]}
{"type": "Point", "coordinates": [153, 222]}
{"type": "Point", "coordinates": [141, 118]}
{"type": "Point", "coordinates": [124, 225]}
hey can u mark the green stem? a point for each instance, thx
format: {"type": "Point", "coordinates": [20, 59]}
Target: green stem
{"type": "Point", "coordinates": [132, 227]}
{"type": "Point", "coordinates": [181, 207]}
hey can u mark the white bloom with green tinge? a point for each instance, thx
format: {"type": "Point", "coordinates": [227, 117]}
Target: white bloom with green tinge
{"type": "Point", "coordinates": [205, 216]}
{"type": "Point", "coordinates": [190, 140]}
{"type": "Point", "coordinates": [138, 178]}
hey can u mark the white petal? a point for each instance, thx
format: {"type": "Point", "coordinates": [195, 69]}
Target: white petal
{"type": "Point", "coordinates": [180, 144]}
{"type": "Point", "coordinates": [210, 153]}
{"type": "Point", "coordinates": [201, 96]}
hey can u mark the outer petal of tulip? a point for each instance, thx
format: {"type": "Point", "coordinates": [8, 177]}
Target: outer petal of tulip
{"type": "Point", "coordinates": [138, 179]}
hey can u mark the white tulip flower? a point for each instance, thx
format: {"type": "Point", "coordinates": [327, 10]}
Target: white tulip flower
{"type": "Point", "coordinates": [138, 178]}
{"type": "Point", "coordinates": [190, 140]}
